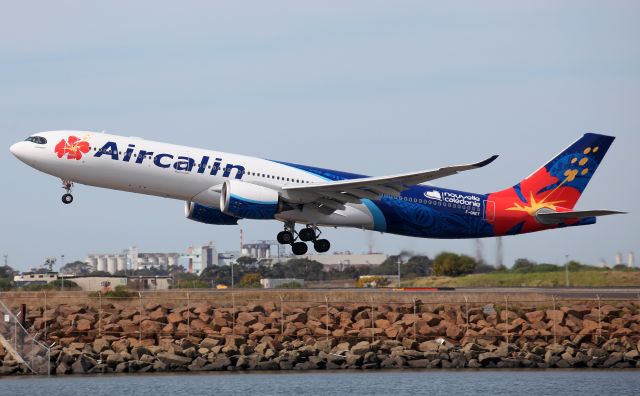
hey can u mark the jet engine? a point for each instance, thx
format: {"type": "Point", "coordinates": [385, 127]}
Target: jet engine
{"type": "Point", "coordinates": [205, 214]}
{"type": "Point", "coordinates": [249, 201]}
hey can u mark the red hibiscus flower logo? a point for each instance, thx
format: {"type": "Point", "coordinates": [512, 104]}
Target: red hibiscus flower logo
{"type": "Point", "coordinates": [73, 147]}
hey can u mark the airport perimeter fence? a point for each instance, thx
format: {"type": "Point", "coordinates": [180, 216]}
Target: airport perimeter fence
{"type": "Point", "coordinates": [26, 348]}
{"type": "Point", "coordinates": [32, 343]}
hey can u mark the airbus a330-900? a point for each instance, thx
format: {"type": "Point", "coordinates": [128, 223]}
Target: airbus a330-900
{"type": "Point", "coordinates": [222, 188]}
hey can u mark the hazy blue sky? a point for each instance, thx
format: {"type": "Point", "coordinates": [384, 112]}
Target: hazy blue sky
{"type": "Point", "coordinates": [366, 86]}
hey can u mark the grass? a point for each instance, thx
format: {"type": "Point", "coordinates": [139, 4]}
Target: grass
{"type": "Point", "coordinates": [533, 279]}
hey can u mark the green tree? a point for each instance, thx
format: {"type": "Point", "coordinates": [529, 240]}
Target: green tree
{"type": "Point", "coordinates": [524, 265]}
{"type": "Point", "coordinates": [544, 267]}
{"type": "Point", "coordinates": [451, 264]}
{"type": "Point", "coordinates": [388, 266]}
{"type": "Point", "coordinates": [98, 273]}
{"type": "Point", "coordinates": [76, 268]}
{"type": "Point", "coordinates": [578, 266]}
{"type": "Point", "coordinates": [7, 272]}
{"type": "Point", "coordinates": [5, 284]}
{"type": "Point", "coordinates": [484, 268]}
{"type": "Point", "coordinates": [246, 261]}
{"type": "Point", "coordinates": [298, 268]}
{"type": "Point", "coordinates": [416, 266]}
{"type": "Point", "coordinates": [250, 279]}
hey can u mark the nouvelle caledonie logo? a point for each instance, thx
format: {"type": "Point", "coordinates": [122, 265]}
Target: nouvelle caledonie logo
{"type": "Point", "coordinates": [72, 147]}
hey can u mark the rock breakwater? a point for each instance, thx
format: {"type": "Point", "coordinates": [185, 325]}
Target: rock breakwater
{"type": "Point", "coordinates": [161, 337]}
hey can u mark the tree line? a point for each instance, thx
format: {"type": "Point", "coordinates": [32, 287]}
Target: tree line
{"type": "Point", "coordinates": [247, 272]}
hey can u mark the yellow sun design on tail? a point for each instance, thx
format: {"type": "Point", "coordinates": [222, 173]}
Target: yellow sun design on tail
{"type": "Point", "coordinates": [534, 205]}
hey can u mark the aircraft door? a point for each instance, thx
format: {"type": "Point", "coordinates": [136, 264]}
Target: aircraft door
{"type": "Point", "coordinates": [489, 211]}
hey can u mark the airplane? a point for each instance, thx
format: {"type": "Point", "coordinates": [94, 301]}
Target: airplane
{"type": "Point", "coordinates": [223, 188]}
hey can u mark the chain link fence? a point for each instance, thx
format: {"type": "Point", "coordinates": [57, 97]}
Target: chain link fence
{"type": "Point", "coordinates": [24, 350]}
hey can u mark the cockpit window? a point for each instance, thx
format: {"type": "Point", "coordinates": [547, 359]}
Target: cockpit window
{"type": "Point", "coordinates": [36, 139]}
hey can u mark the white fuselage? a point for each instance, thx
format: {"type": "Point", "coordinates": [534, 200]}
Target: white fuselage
{"type": "Point", "coordinates": [185, 173]}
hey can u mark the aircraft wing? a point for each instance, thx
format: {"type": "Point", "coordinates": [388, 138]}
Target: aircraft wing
{"type": "Point", "coordinates": [559, 217]}
{"type": "Point", "coordinates": [334, 194]}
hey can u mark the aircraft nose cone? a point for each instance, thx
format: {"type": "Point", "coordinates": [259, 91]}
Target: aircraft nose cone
{"type": "Point", "coordinates": [14, 149]}
{"type": "Point", "coordinates": [18, 150]}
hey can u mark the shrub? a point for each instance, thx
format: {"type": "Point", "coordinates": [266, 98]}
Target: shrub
{"type": "Point", "coordinates": [5, 284]}
{"type": "Point", "coordinates": [120, 291]}
{"type": "Point", "coordinates": [289, 285]}
{"type": "Point", "coordinates": [191, 284]}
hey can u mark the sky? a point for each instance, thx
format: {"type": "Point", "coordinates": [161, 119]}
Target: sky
{"type": "Point", "coordinates": [373, 87]}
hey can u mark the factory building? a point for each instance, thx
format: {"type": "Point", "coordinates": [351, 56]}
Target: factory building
{"type": "Point", "coordinates": [131, 260]}
{"type": "Point", "coordinates": [258, 250]}
{"type": "Point", "coordinates": [201, 257]}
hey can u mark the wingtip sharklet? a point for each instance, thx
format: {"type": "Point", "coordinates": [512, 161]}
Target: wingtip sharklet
{"type": "Point", "coordinates": [486, 161]}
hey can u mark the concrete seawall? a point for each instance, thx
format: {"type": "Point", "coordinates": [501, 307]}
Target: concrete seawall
{"type": "Point", "coordinates": [207, 333]}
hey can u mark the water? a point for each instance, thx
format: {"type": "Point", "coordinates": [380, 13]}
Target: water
{"type": "Point", "coordinates": [407, 382]}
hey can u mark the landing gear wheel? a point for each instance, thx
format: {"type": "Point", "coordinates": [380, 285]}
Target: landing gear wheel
{"type": "Point", "coordinates": [67, 199]}
{"type": "Point", "coordinates": [67, 185]}
{"type": "Point", "coordinates": [285, 237]}
{"type": "Point", "coordinates": [322, 245]}
{"type": "Point", "coordinates": [307, 234]}
{"type": "Point", "coordinates": [299, 248]}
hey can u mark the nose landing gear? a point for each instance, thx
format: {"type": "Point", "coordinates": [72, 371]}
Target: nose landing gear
{"type": "Point", "coordinates": [67, 198]}
{"type": "Point", "coordinates": [310, 233]}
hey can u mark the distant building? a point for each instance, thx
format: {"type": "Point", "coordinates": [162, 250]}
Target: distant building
{"type": "Point", "coordinates": [339, 261]}
{"type": "Point", "coordinates": [131, 260]}
{"type": "Point", "coordinates": [106, 283]}
{"type": "Point", "coordinates": [33, 278]}
{"type": "Point", "coordinates": [269, 283]}
{"type": "Point", "coordinates": [97, 283]}
{"type": "Point", "coordinates": [201, 257]}
{"type": "Point", "coordinates": [228, 258]}
{"type": "Point", "coordinates": [258, 250]}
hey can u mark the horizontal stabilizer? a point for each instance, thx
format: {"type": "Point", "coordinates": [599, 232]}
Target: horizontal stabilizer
{"type": "Point", "coordinates": [560, 217]}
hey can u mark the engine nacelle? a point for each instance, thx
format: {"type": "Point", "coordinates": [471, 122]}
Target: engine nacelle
{"type": "Point", "coordinates": [249, 201]}
{"type": "Point", "coordinates": [205, 214]}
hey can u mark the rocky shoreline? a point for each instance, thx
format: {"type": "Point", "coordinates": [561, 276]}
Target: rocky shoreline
{"type": "Point", "coordinates": [122, 338]}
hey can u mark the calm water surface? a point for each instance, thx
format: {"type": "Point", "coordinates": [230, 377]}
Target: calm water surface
{"type": "Point", "coordinates": [435, 382]}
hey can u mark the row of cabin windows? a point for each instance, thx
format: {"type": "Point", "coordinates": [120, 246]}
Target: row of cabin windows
{"type": "Point", "coordinates": [432, 202]}
{"type": "Point", "coordinates": [135, 155]}
{"type": "Point", "coordinates": [276, 177]}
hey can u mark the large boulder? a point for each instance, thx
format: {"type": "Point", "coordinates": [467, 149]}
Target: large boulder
{"type": "Point", "coordinates": [555, 315]}
{"type": "Point", "coordinates": [174, 318]}
{"type": "Point", "coordinates": [361, 348]}
{"type": "Point", "coordinates": [172, 358]}
{"type": "Point", "coordinates": [245, 319]}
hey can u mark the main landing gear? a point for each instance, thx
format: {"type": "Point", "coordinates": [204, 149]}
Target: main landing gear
{"type": "Point", "coordinates": [311, 233]}
{"type": "Point", "coordinates": [67, 198]}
